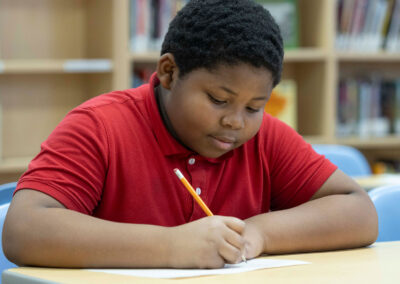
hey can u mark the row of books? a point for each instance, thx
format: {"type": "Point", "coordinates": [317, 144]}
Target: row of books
{"type": "Point", "coordinates": [149, 20]}
{"type": "Point", "coordinates": [368, 25]}
{"type": "Point", "coordinates": [368, 107]}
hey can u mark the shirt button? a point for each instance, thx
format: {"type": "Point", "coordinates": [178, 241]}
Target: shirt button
{"type": "Point", "coordinates": [198, 190]}
{"type": "Point", "coordinates": [192, 161]}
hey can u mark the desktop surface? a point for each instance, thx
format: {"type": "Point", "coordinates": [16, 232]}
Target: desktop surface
{"type": "Point", "coordinates": [379, 263]}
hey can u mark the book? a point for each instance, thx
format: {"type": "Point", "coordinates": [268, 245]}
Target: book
{"type": "Point", "coordinates": [139, 25]}
{"type": "Point", "coordinates": [282, 103]}
{"type": "Point", "coordinates": [393, 29]}
{"type": "Point", "coordinates": [368, 107]}
{"type": "Point", "coordinates": [344, 111]}
{"type": "Point", "coordinates": [285, 13]}
{"type": "Point", "coordinates": [353, 105]}
{"type": "Point", "coordinates": [345, 20]}
{"type": "Point", "coordinates": [387, 101]}
{"type": "Point", "coordinates": [367, 25]}
{"type": "Point", "coordinates": [396, 123]}
{"type": "Point", "coordinates": [149, 21]}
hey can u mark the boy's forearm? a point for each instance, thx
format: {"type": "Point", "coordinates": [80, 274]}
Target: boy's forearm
{"type": "Point", "coordinates": [331, 222]}
{"type": "Point", "coordinates": [84, 241]}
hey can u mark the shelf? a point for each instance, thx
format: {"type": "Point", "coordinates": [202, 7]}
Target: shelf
{"type": "Point", "coordinates": [368, 57]}
{"type": "Point", "coordinates": [305, 54]}
{"type": "Point", "coordinates": [371, 142]}
{"type": "Point", "coordinates": [11, 165]}
{"type": "Point", "coordinates": [144, 57]}
{"type": "Point", "coordinates": [315, 139]}
{"type": "Point", "coordinates": [292, 55]}
{"type": "Point", "coordinates": [24, 66]}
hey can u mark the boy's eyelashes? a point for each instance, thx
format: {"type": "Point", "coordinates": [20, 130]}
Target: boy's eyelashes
{"type": "Point", "coordinates": [222, 102]}
{"type": "Point", "coordinates": [215, 101]}
{"type": "Point", "coordinates": [252, 110]}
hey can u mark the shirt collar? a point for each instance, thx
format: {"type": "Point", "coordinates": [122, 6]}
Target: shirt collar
{"type": "Point", "coordinates": [168, 144]}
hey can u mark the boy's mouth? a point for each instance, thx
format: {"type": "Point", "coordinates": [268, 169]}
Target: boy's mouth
{"type": "Point", "coordinates": [223, 142]}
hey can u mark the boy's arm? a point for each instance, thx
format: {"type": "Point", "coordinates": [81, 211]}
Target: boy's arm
{"type": "Point", "coordinates": [40, 231]}
{"type": "Point", "coordinates": [340, 215]}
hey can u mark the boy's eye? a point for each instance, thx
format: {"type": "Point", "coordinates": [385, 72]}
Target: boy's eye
{"type": "Point", "coordinates": [215, 101]}
{"type": "Point", "coordinates": [252, 110]}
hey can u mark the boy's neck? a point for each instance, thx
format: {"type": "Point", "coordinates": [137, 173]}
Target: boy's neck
{"type": "Point", "coordinates": [163, 113]}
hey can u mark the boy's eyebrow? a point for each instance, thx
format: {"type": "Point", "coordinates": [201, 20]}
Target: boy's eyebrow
{"type": "Point", "coordinates": [228, 90]}
{"type": "Point", "coordinates": [235, 94]}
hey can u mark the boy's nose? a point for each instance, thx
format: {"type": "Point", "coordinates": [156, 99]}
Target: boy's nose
{"type": "Point", "coordinates": [234, 121]}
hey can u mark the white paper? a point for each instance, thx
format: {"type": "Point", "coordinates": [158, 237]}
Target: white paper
{"type": "Point", "coordinates": [253, 264]}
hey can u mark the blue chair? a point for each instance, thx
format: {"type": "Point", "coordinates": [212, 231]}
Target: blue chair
{"type": "Point", "coordinates": [348, 159]}
{"type": "Point", "coordinates": [386, 200]}
{"type": "Point", "coordinates": [6, 192]}
{"type": "Point", "coordinates": [4, 263]}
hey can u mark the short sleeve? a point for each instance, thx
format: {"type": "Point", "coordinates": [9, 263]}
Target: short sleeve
{"type": "Point", "coordinates": [72, 164]}
{"type": "Point", "coordinates": [296, 170]}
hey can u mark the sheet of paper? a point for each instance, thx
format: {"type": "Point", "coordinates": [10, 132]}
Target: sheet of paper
{"type": "Point", "coordinates": [253, 264]}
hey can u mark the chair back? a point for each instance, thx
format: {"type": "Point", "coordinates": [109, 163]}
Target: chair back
{"type": "Point", "coordinates": [6, 192]}
{"type": "Point", "coordinates": [4, 263]}
{"type": "Point", "coordinates": [387, 203]}
{"type": "Point", "coordinates": [348, 159]}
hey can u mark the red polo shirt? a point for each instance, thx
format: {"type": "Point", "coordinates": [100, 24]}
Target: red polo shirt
{"type": "Point", "coordinates": [113, 158]}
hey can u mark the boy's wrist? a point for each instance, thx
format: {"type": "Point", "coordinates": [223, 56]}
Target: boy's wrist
{"type": "Point", "coordinates": [255, 237]}
{"type": "Point", "coordinates": [169, 244]}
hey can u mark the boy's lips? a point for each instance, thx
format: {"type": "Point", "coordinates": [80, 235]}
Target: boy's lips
{"type": "Point", "coordinates": [224, 142]}
{"type": "Point", "coordinates": [225, 139]}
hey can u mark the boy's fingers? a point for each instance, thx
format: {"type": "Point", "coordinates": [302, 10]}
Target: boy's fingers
{"type": "Point", "coordinates": [230, 253]}
{"type": "Point", "coordinates": [236, 240]}
{"type": "Point", "coordinates": [235, 224]}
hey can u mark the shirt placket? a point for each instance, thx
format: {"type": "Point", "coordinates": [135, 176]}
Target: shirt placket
{"type": "Point", "coordinates": [198, 181]}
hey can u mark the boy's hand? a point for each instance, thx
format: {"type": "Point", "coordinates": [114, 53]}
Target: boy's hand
{"type": "Point", "coordinates": [254, 240]}
{"type": "Point", "coordinates": [209, 242]}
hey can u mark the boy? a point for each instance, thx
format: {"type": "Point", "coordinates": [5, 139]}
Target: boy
{"type": "Point", "coordinates": [102, 191]}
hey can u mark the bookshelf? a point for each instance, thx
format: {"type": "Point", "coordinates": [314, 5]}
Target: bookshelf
{"type": "Point", "coordinates": [92, 38]}
{"type": "Point", "coordinates": [54, 54]}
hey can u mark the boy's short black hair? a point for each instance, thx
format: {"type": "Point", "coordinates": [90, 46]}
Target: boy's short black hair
{"type": "Point", "coordinates": [206, 33]}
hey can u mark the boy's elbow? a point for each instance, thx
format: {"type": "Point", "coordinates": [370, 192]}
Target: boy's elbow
{"type": "Point", "coordinates": [371, 223]}
{"type": "Point", "coordinates": [14, 240]}
{"type": "Point", "coordinates": [374, 229]}
{"type": "Point", "coordinates": [371, 234]}
{"type": "Point", "coordinates": [10, 248]}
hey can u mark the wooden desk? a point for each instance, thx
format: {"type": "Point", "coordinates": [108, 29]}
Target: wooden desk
{"type": "Point", "coordinates": [379, 263]}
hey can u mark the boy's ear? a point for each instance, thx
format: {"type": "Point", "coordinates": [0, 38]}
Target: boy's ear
{"type": "Point", "coordinates": [167, 70]}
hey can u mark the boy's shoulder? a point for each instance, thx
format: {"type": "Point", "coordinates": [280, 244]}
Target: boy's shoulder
{"type": "Point", "coordinates": [117, 98]}
{"type": "Point", "coordinates": [273, 126]}
{"type": "Point", "coordinates": [274, 133]}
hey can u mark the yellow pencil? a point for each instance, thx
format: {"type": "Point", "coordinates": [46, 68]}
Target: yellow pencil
{"type": "Point", "coordinates": [193, 192]}
{"type": "Point", "coordinates": [196, 197]}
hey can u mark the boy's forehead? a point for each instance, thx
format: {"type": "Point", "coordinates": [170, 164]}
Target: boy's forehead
{"type": "Point", "coordinates": [236, 72]}
{"type": "Point", "coordinates": [231, 78]}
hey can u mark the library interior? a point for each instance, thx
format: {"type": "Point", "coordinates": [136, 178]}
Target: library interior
{"type": "Point", "coordinates": [340, 87]}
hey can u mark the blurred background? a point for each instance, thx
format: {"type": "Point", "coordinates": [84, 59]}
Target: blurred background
{"type": "Point", "coordinates": [341, 80]}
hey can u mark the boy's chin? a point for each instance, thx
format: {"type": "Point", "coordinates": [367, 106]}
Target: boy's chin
{"type": "Point", "coordinates": [212, 154]}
